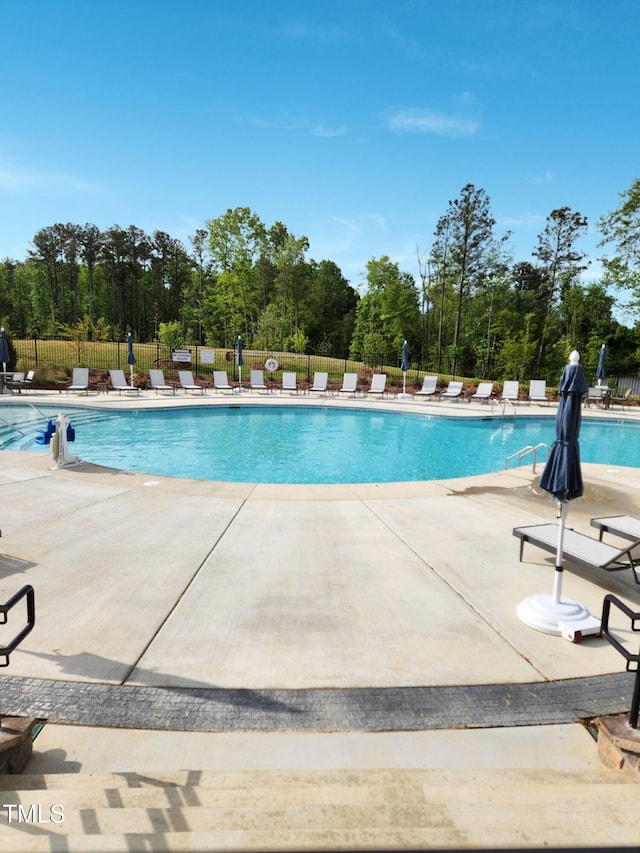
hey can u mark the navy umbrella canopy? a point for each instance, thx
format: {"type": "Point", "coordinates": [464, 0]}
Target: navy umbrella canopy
{"type": "Point", "coordinates": [404, 367]}
{"type": "Point", "coordinates": [239, 361]}
{"type": "Point", "coordinates": [4, 349]}
{"type": "Point", "coordinates": [562, 478]}
{"type": "Point", "coordinates": [131, 359]}
{"type": "Point", "coordinates": [562, 475]}
{"type": "Point", "coordinates": [405, 357]}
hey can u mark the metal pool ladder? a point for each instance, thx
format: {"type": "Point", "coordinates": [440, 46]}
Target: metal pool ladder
{"type": "Point", "coordinates": [529, 450]}
{"type": "Point", "coordinates": [502, 405]}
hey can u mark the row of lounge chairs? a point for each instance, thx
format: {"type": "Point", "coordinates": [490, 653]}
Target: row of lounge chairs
{"type": "Point", "coordinates": [484, 392]}
{"type": "Point", "coordinates": [320, 384]}
{"type": "Point", "coordinates": [510, 390]}
{"type": "Point", "coordinates": [80, 382]}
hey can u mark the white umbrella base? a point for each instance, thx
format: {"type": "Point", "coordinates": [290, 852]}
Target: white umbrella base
{"type": "Point", "coordinates": [405, 396]}
{"type": "Point", "coordinates": [563, 618]}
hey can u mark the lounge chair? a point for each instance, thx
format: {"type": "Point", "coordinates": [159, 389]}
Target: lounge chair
{"type": "Point", "coordinates": [429, 387]}
{"type": "Point", "coordinates": [289, 382]}
{"type": "Point", "coordinates": [511, 390]}
{"type": "Point", "coordinates": [257, 381]}
{"type": "Point", "coordinates": [156, 377]}
{"type": "Point", "coordinates": [79, 380]}
{"type": "Point", "coordinates": [320, 381]}
{"type": "Point", "coordinates": [186, 382]}
{"type": "Point", "coordinates": [378, 384]}
{"type": "Point", "coordinates": [119, 383]}
{"type": "Point", "coordinates": [483, 392]}
{"type": "Point", "coordinates": [538, 391]}
{"type": "Point", "coordinates": [596, 396]}
{"type": "Point", "coordinates": [580, 548]}
{"type": "Point", "coordinates": [16, 381]}
{"type": "Point", "coordinates": [454, 389]}
{"type": "Point", "coordinates": [349, 384]}
{"type": "Point", "coordinates": [221, 381]}
{"type": "Point", "coordinates": [622, 400]}
{"type": "Point", "coordinates": [625, 526]}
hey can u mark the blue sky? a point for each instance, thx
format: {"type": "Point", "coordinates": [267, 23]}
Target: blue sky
{"type": "Point", "coordinates": [352, 123]}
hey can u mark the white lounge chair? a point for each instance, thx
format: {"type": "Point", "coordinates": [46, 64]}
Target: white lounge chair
{"type": "Point", "coordinates": [378, 384]}
{"type": "Point", "coordinates": [156, 377]}
{"type": "Point", "coordinates": [119, 383]}
{"type": "Point", "coordinates": [596, 396]}
{"type": "Point", "coordinates": [454, 390]}
{"type": "Point", "coordinates": [186, 382]}
{"type": "Point", "coordinates": [429, 387]}
{"type": "Point", "coordinates": [625, 526]}
{"type": "Point", "coordinates": [511, 390]}
{"type": "Point", "coordinates": [221, 381]}
{"type": "Point", "coordinates": [580, 548]}
{"type": "Point", "coordinates": [257, 381]}
{"type": "Point", "coordinates": [349, 384]}
{"type": "Point", "coordinates": [483, 392]}
{"type": "Point", "coordinates": [16, 381]}
{"type": "Point", "coordinates": [79, 380]}
{"type": "Point", "coordinates": [28, 381]}
{"type": "Point", "coordinates": [622, 400]}
{"type": "Point", "coordinates": [538, 391]}
{"type": "Point", "coordinates": [289, 382]}
{"type": "Point", "coordinates": [320, 380]}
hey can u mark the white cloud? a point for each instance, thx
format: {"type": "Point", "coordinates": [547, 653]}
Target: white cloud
{"type": "Point", "coordinates": [544, 178]}
{"type": "Point", "coordinates": [328, 133]}
{"type": "Point", "coordinates": [312, 31]}
{"type": "Point", "coordinates": [524, 222]}
{"type": "Point", "coordinates": [15, 177]}
{"type": "Point", "coordinates": [287, 122]}
{"type": "Point", "coordinates": [427, 121]}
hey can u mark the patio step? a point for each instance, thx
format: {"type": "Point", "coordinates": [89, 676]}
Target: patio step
{"type": "Point", "coordinates": [319, 810]}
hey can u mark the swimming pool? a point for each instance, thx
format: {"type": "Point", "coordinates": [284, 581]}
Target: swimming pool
{"type": "Point", "coordinates": [309, 444]}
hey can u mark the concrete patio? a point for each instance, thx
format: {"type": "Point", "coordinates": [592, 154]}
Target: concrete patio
{"type": "Point", "coordinates": [248, 626]}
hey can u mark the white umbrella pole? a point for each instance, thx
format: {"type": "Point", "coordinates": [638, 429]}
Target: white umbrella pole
{"type": "Point", "coordinates": [404, 383]}
{"type": "Point", "coordinates": [553, 614]}
{"type": "Point", "coordinates": [557, 578]}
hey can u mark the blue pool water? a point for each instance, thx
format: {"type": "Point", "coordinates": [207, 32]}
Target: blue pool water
{"type": "Point", "coordinates": [310, 444]}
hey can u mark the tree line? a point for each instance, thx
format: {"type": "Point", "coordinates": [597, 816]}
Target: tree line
{"type": "Point", "coordinates": [467, 308]}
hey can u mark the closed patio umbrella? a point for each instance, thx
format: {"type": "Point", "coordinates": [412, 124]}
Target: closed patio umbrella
{"type": "Point", "coordinates": [600, 374]}
{"type": "Point", "coordinates": [562, 478]}
{"type": "Point", "coordinates": [4, 350]}
{"type": "Point", "coordinates": [405, 367]}
{"type": "Point", "coordinates": [131, 359]}
{"type": "Point", "coordinates": [240, 362]}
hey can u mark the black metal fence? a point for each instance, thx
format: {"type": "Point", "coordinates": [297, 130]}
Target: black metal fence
{"type": "Point", "coordinates": [62, 355]}
{"type": "Point", "coordinates": [57, 355]}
